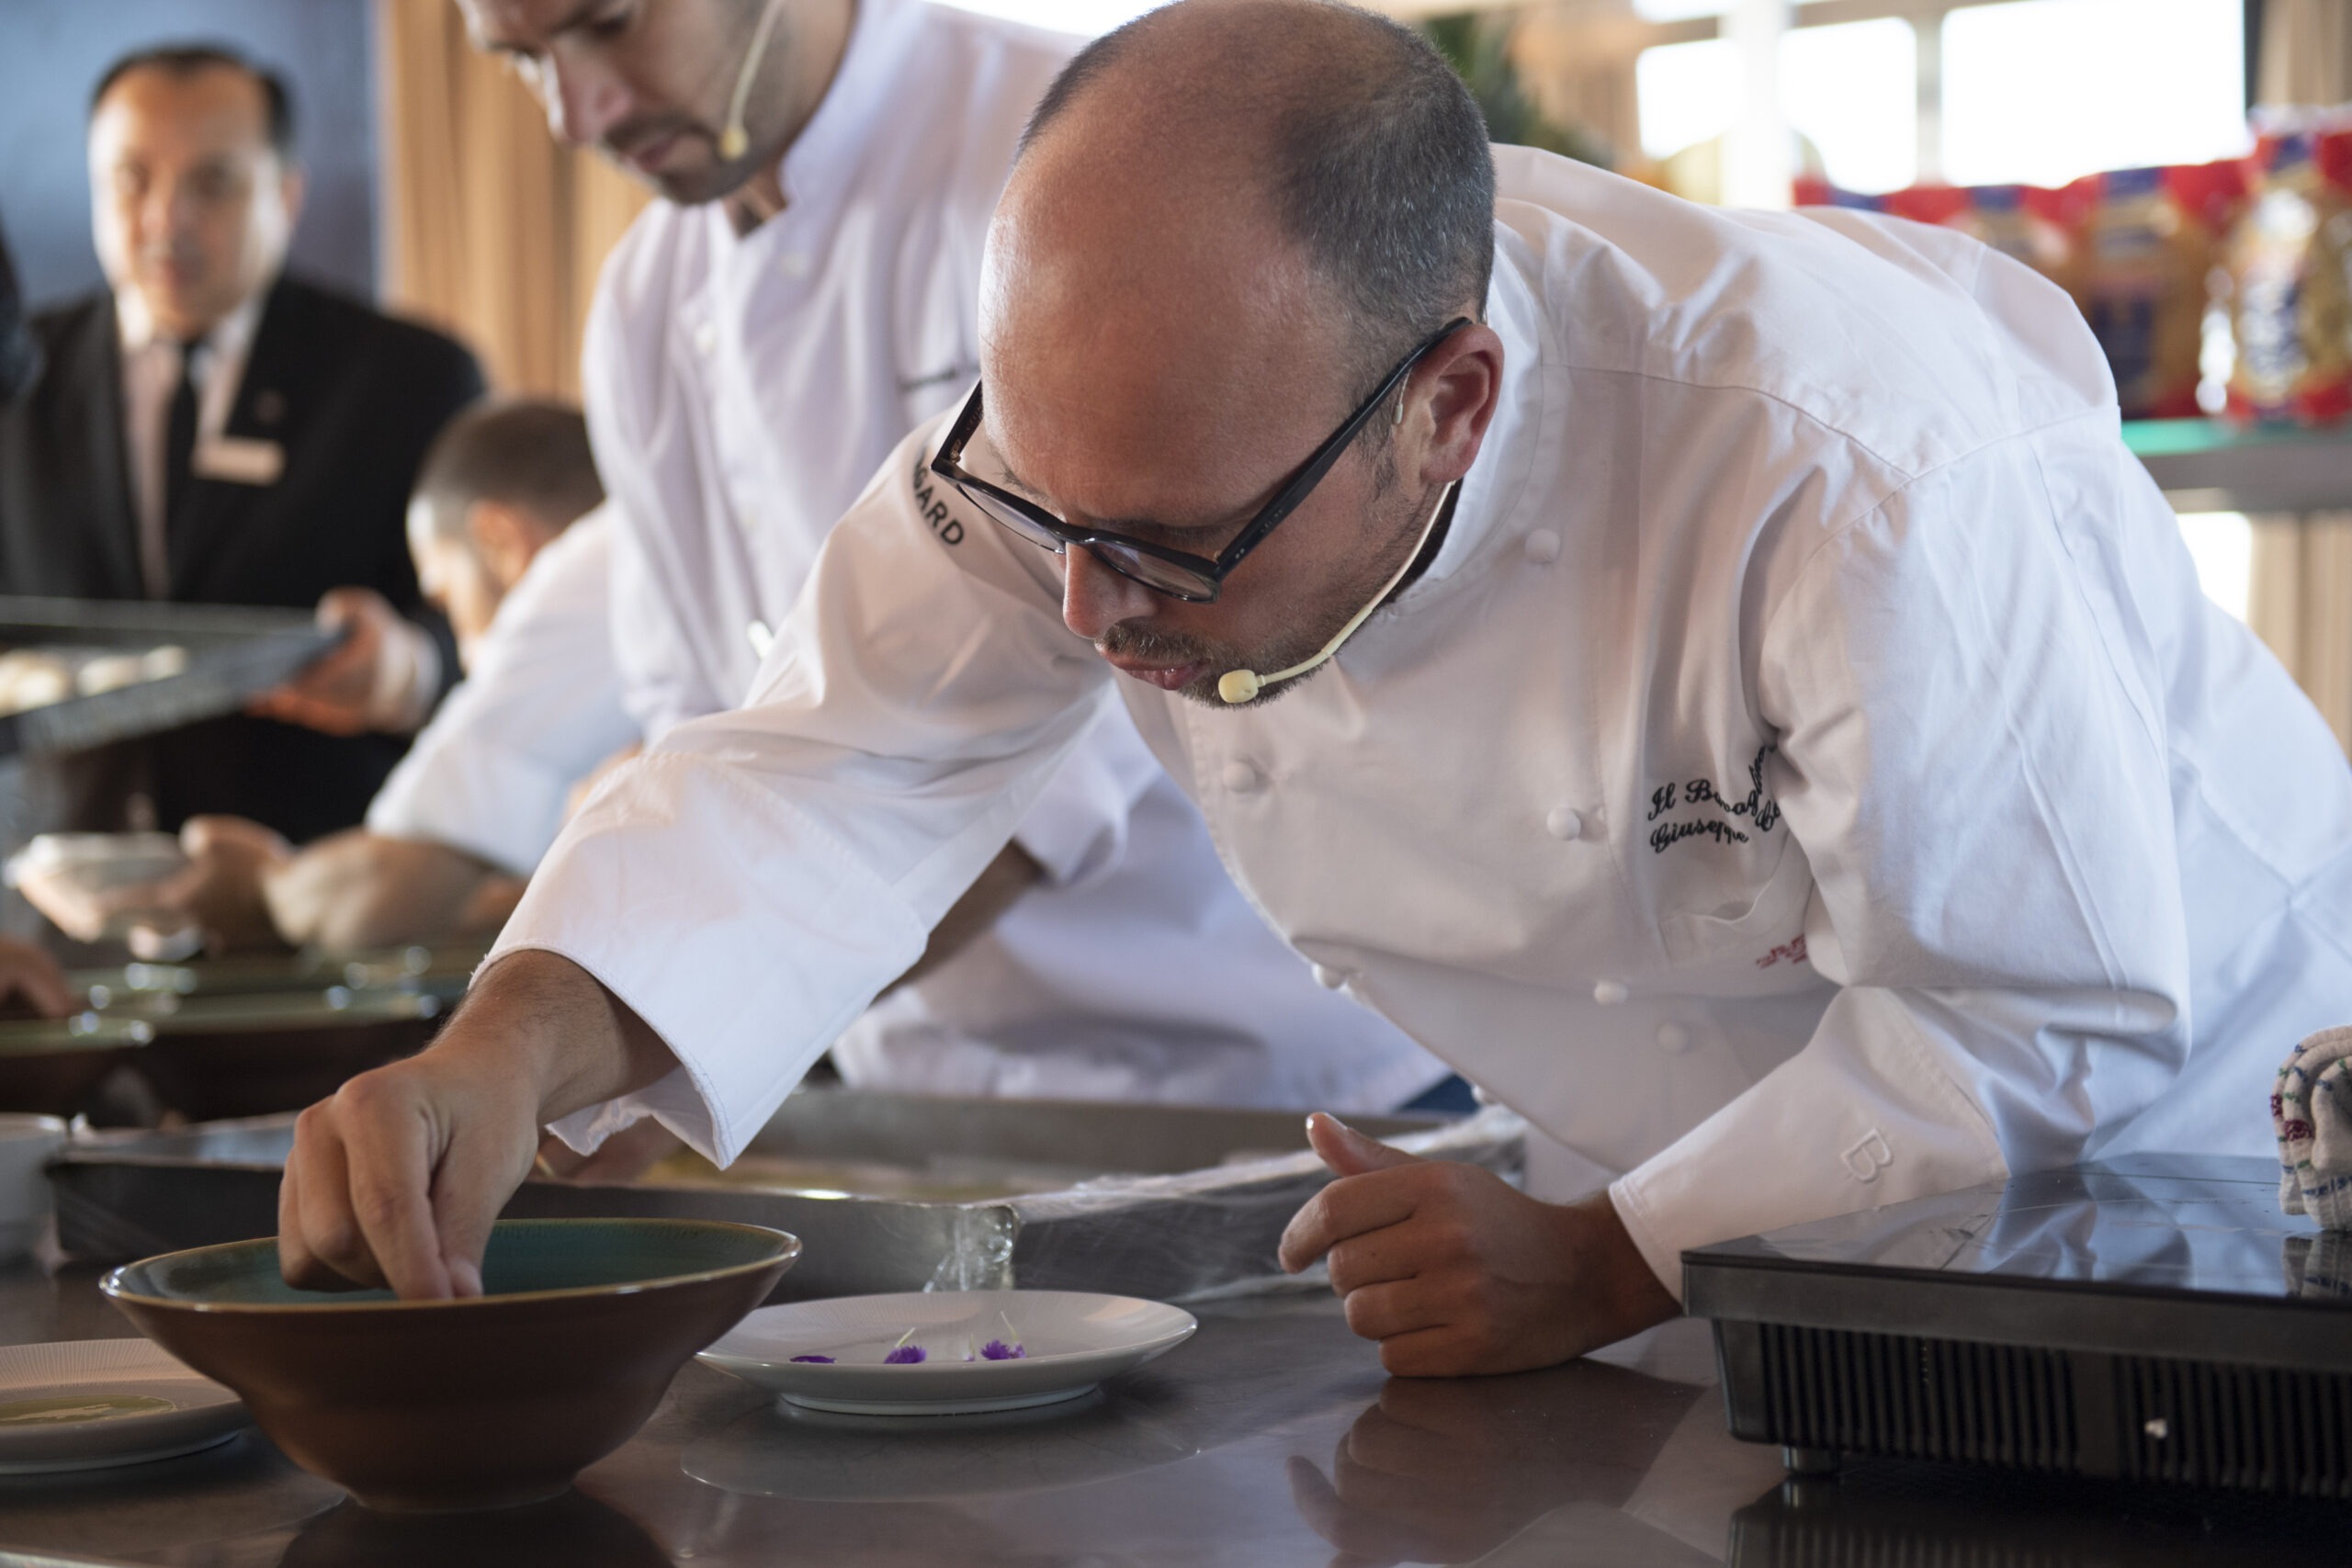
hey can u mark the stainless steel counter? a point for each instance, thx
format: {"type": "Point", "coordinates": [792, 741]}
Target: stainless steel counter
{"type": "Point", "coordinates": [1273, 1437]}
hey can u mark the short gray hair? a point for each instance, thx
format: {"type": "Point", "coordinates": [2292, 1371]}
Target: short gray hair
{"type": "Point", "coordinates": [1379, 171]}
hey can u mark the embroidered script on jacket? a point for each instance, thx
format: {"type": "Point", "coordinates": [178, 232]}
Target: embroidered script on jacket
{"type": "Point", "coordinates": [1758, 813]}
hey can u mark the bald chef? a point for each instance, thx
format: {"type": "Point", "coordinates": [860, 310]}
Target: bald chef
{"type": "Point", "coordinates": [1791, 760]}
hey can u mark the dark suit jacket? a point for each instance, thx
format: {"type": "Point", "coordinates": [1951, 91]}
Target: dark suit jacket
{"type": "Point", "coordinates": [353, 397]}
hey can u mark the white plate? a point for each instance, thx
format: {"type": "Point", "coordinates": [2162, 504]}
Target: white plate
{"type": "Point", "coordinates": [91, 1404]}
{"type": "Point", "coordinates": [1071, 1340]}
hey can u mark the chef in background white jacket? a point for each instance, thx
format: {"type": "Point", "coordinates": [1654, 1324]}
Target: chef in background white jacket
{"type": "Point", "coordinates": [758, 340]}
{"type": "Point", "coordinates": [1799, 771]}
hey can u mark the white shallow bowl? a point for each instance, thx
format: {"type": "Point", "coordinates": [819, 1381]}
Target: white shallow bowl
{"type": "Point", "coordinates": [93, 1404]}
{"type": "Point", "coordinates": [1072, 1340]}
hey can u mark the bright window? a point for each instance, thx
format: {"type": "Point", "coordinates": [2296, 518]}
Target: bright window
{"type": "Point", "coordinates": [2044, 91]}
{"type": "Point", "coordinates": [1085, 18]}
{"type": "Point", "coordinates": [2222, 544]}
{"type": "Point", "coordinates": [1850, 89]}
{"type": "Point", "coordinates": [1688, 93]}
{"type": "Point", "coordinates": [1679, 10]}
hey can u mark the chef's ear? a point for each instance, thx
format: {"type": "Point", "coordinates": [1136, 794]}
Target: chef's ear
{"type": "Point", "coordinates": [503, 538]}
{"type": "Point", "coordinates": [1456, 389]}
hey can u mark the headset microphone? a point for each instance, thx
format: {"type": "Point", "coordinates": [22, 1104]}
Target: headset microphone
{"type": "Point", "coordinates": [1238, 686]}
{"type": "Point", "coordinates": [734, 141]}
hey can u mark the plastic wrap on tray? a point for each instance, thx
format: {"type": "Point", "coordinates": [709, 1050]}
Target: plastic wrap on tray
{"type": "Point", "coordinates": [1171, 1237]}
{"type": "Point", "coordinates": [1178, 1233]}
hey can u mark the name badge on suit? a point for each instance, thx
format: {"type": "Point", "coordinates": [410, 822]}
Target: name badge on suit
{"type": "Point", "coordinates": [238, 460]}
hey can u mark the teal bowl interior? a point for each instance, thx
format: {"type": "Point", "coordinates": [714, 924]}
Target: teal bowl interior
{"type": "Point", "coordinates": [525, 1256]}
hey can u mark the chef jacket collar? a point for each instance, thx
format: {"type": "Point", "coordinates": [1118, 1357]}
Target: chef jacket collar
{"type": "Point", "coordinates": [817, 168]}
{"type": "Point", "coordinates": [1490, 491]}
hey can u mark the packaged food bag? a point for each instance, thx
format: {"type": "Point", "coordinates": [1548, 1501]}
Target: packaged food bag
{"type": "Point", "coordinates": [2035, 226]}
{"type": "Point", "coordinates": [2152, 239]}
{"type": "Point", "coordinates": [2290, 320]}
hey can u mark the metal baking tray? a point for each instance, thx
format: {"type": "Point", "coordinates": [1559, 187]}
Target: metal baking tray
{"type": "Point", "coordinates": [232, 654]}
{"type": "Point", "coordinates": [1164, 1202]}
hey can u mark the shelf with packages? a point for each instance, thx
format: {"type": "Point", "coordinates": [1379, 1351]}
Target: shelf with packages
{"type": "Point", "coordinates": [2209, 465]}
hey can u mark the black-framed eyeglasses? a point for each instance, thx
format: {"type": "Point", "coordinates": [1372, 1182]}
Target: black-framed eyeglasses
{"type": "Point", "coordinates": [1177, 573]}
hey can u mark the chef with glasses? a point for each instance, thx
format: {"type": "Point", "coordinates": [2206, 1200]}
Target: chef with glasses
{"type": "Point", "coordinates": [1716, 678]}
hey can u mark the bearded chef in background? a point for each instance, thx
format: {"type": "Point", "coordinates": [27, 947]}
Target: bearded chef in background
{"type": "Point", "coordinates": [1793, 763]}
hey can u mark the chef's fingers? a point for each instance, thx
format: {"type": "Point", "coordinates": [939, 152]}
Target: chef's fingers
{"type": "Point", "coordinates": [319, 1244]}
{"type": "Point", "coordinates": [1442, 1351]}
{"type": "Point", "coordinates": [294, 1260]}
{"type": "Point", "coordinates": [1348, 1207]}
{"type": "Point", "coordinates": [1383, 1312]}
{"type": "Point", "coordinates": [389, 1171]}
{"type": "Point", "coordinates": [1349, 1152]}
{"type": "Point", "coordinates": [1375, 1258]}
{"type": "Point", "coordinates": [476, 1176]}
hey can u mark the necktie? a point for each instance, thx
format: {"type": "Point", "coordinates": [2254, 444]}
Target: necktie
{"type": "Point", "coordinates": [179, 436]}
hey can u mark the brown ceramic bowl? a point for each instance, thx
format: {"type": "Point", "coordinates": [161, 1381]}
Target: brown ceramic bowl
{"type": "Point", "coordinates": [498, 1399]}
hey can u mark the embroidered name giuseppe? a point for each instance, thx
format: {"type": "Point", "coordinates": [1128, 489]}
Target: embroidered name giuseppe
{"type": "Point", "coordinates": [1759, 810]}
{"type": "Point", "coordinates": [930, 508]}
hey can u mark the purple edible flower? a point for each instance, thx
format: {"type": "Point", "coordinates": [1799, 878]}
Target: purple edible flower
{"type": "Point", "coordinates": [906, 1356]}
{"type": "Point", "coordinates": [820, 1360]}
{"type": "Point", "coordinates": [998, 1350]}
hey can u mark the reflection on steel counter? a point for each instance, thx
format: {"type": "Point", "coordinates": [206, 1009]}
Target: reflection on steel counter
{"type": "Point", "coordinates": [1151, 1201]}
{"type": "Point", "coordinates": [1887, 1514]}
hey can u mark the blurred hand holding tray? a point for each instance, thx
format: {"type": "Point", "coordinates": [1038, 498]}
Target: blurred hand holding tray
{"type": "Point", "coordinates": [1158, 1202]}
{"type": "Point", "coordinates": [226, 656]}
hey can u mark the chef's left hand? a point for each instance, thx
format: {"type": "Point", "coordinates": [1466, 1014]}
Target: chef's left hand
{"type": "Point", "coordinates": [1455, 1274]}
{"type": "Point", "coordinates": [372, 680]}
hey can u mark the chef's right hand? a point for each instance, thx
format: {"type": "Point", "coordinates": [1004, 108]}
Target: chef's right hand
{"type": "Point", "coordinates": [397, 1180]}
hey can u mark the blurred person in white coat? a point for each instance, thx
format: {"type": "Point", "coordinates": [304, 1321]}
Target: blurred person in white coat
{"type": "Point", "coordinates": [1791, 759]}
{"type": "Point", "coordinates": [800, 298]}
{"type": "Point", "coordinates": [507, 546]}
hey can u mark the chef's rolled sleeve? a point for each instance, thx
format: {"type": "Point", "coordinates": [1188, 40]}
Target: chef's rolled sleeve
{"type": "Point", "coordinates": [1970, 757]}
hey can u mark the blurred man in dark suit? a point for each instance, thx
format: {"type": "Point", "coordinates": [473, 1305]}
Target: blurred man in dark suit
{"type": "Point", "coordinates": [208, 430]}
{"type": "Point", "coordinates": [19, 355]}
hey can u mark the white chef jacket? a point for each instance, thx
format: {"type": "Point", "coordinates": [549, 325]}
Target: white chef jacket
{"type": "Point", "coordinates": [741, 390]}
{"type": "Point", "coordinates": [539, 709]}
{"type": "Point", "coordinates": [1807, 776]}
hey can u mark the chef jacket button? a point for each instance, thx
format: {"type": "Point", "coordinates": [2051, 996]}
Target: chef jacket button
{"type": "Point", "coordinates": [1608, 993]}
{"type": "Point", "coordinates": [1674, 1038]}
{"type": "Point", "coordinates": [1564, 822]}
{"type": "Point", "coordinates": [1331, 979]}
{"type": "Point", "coordinates": [1542, 548]}
{"type": "Point", "coordinates": [1241, 778]}
{"type": "Point", "coordinates": [705, 338]}
{"type": "Point", "coordinates": [793, 263]}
